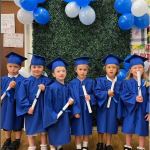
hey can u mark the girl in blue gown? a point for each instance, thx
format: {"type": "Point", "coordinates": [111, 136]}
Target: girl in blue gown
{"type": "Point", "coordinates": [107, 114]}
{"type": "Point", "coordinates": [9, 120]}
{"type": "Point", "coordinates": [81, 122]}
{"type": "Point", "coordinates": [26, 96]}
{"type": "Point", "coordinates": [56, 96]}
{"type": "Point", "coordinates": [135, 107]}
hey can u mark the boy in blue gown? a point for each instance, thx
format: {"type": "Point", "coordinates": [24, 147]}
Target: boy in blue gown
{"type": "Point", "coordinates": [81, 122]}
{"type": "Point", "coordinates": [56, 96]}
{"type": "Point", "coordinates": [135, 107]}
{"type": "Point", "coordinates": [9, 120]}
{"type": "Point", "coordinates": [26, 96]}
{"type": "Point", "coordinates": [107, 114]}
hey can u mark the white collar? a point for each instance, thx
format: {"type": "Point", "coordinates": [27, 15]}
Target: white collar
{"type": "Point", "coordinates": [10, 76]}
{"type": "Point", "coordinates": [115, 79]}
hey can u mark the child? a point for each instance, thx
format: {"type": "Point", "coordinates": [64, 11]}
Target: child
{"type": "Point", "coordinates": [26, 96]}
{"type": "Point", "coordinates": [9, 120]}
{"type": "Point", "coordinates": [104, 91]}
{"type": "Point", "coordinates": [56, 96]}
{"type": "Point", "coordinates": [81, 123]}
{"type": "Point", "coordinates": [136, 111]}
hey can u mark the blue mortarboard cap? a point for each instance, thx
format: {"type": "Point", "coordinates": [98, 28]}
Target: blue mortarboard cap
{"type": "Point", "coordinates": [112, 59]}
{"type": "Point", "coordinates": [58, 62]}
{"type": "Point", "coordinates": [135, 60]}
{"type": "Point", "coordinates": [37, 60]}
{"type": "Point", "coordinates": [15, 58]}
{"type": "Point", "coordinates": [81, 60]}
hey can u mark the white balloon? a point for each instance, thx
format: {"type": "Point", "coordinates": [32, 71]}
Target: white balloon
{"type": "Point", "coordinates": [146, 66]}
{"type": "Point", "coordinates": [87, 15]}
{"type": "Point", "coordinates": [139, 8]}
{"type": "Point", "coordinates": [72, 9]}
{"type": "Point", "coordinates": [17, 2]}
{"type": "Point", "coordinates": [25, 17]}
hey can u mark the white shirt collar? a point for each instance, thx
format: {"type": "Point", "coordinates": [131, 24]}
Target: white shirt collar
{"type": "Point", "coordinates": [111, 79]}
{"type": "Point", "coordinates": [10, 76]}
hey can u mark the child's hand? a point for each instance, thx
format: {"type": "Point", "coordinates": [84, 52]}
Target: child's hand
{"type": "Point", "coordinates": [70, 101]}
{"type": "Point", "coordinates": [12, 84]}
{"type": "Point", "coordinates": [30, 111]}
{"type": "Point", "coordinates": [87, 97]}
{"type": "Point", "coordinates": [147, 117]}
{"type": "Point", "coordinates": [42, 87]}
{"type": "Point", "coordinates": [110, 93]}
{"type": "Point", "coordinates": [77, 116]}
{"type": "Point", "coordinates": [139, 99]}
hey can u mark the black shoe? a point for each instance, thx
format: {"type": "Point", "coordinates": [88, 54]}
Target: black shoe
{"type": "Point", "coordinates": [61, 148]}
{"type": "Point", "coordinates": [84, 148]}
{"type": "Point", "coordinates": [14, 145]}
{"type": "Point", "coordinates": [100, 146]}
{"type": "Point", "coordinates": [127, 148]}
{"type": "Point", "coordinates": [109, 147]}
{"type": "Point", "coordinates": [6, 144]}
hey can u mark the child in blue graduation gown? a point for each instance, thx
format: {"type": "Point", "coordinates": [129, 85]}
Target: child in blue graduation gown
{"type": "Point", "coordinates": [81, 123]}
{"type": "Point", "coordinates": [56, 96]}
{"type": "Point", "coordinates": [26, 96]}
{"type": "Point", "coordinates": [105, 93]}
{"type": "Point", "coordinates": [9, 120]}
{"type": "Point", "coordinates": [135, 107]}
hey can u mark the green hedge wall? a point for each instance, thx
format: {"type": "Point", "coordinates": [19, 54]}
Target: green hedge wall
{"type": "Point", "coordinates": [68, 38]}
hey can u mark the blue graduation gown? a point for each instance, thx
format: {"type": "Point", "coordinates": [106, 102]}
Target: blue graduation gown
{"type": "Point", "coordinates": [26, 95]}
{"type": "Point", "coordinates": [56, 96]}
{"type": "Point", "coordinates": [83, 125]}
{"type": "Point", "coordinates": [134, 113]}
{"type": "Point", "coordinates": [106, 117]}
{"type": "Point", "coordinates": [9, 119]}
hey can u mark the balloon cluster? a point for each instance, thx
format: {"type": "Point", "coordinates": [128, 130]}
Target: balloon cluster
{"type": "Point", "coordinates": [30, 11]}
{"type": "Point", "coordinates": [82, 9]}
{"type": "Point", "coordinates": [134, 13]}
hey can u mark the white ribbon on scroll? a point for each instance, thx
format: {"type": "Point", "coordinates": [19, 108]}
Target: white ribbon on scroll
{"type": "Point", "coordinates": [35, 100]}
{"type": "Point", "coordinates": [139, 83]}
{"type": "Point", "coordinates": [4, 94]}
{"type": "Point", "coordinates": [112, 88]}
{"type": "Point", "coordinates": [87, 102]}
{"type": "Point", "coordinates": [63, 109]}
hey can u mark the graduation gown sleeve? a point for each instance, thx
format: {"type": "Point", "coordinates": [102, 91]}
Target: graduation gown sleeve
{"type": "Point", "coordinates": [127, 94]}
{"type": "Point", "coordinates": [23, 100]}
{"type": "Point", "coordinates": [50, 116]}
{"type": "Point", "coordinates": [100, 92]}
{"type": "Point", "coordinates": [75, 109]}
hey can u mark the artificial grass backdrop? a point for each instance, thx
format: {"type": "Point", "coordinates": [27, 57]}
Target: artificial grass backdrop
{"type": "Point", "coordinates": [69, 38]}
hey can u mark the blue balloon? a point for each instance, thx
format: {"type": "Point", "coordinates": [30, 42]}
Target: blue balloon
{"type": "Point", "coordinates": [123, 6]}
{"type": "Point", "coordinates": [41, 15]}
{"type": "Point", "coordinates": [122, 74]}
{"type": "Point", "coordinates": [126, 21]}
{"type": "Point", "coordinates": [68, 1]}
{"type": "Point", "coordinates": [142, 22]}
{"type": "Point", "coordinates": [28, 5]}
{"type": "Point", "coordinates": [41, 1]}
{"type": "Point", "coordinates": [83, 3]}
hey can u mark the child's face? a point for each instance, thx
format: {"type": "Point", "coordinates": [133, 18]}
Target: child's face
{"type": "Point", "coordinates": [111, 70]}
{"type": "Point", "coordinates": [13, 69]}
{"type": "Point", "coordinates": [82, 71]}
{"type": "Point", "coordinates": [60, 73]}
{"type": "Point", "coordinates": [136, 68]}
{"type": "Point", "coordinates": [37, 70]}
